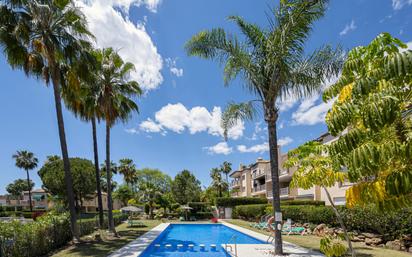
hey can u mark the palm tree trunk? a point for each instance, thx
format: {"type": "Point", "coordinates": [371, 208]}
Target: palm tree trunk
{"type": "Point", "coordinates": [109, 181]}
{"type": "Point", "coordinates": [339, 217]}
{"type": "Point", "coordinates": [97, 171]}
{"type": "Point", "coordinates": [271, 117]}
{"type": "Point", "coordinates": [66, 163]}
{"type": "Point", "coordinates": [29, 187]}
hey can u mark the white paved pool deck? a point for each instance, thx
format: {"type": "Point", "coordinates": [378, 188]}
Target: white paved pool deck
{"type": "Point", "coordinates": [136, 247]}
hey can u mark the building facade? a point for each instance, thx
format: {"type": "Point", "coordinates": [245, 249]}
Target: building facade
{"type": "Point", "coordinates": [255, 181]}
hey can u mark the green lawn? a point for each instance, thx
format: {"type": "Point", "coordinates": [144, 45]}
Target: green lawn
{"type": "Point", "coordinates": [108, 245]}
{"type": "Point", "coordinates": [312, 242]}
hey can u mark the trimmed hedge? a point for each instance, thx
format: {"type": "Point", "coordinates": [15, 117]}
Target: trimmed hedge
{"type": "Point", "coordinates": [235, 201]}
{"type": "Point", "coordinates": [203, 215]}
{"type": "Point", "coordinates": [250, 212]}
{"type": "Point", "coordinates": [39, 238]}
{"type": "Point", "coordinates": [302, 202]}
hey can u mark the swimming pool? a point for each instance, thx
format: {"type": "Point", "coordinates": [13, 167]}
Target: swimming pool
{"type": "Point", "coordinates": [195, 234]}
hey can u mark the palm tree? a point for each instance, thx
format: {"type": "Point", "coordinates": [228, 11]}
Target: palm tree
{"type": "Point", "coordinates": [274, 67]}
{"type": "Point", "coordinates": [128, 169]}
{"type": "Point", "coordinates": [114, 100]}
{"type": "Point", "coordinates": [27, 161]}
{"type": "Point", "coordinates": [41, 37]}
{"type": "Point", "coordinates": [226, 168]}
{"type": "Point", "coordinates": [83, 102]}
{"type": "Point", "coordinates": [217, 182]}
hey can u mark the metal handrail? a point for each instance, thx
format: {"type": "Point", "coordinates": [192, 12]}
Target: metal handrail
{"type": "Point", "coordinates": [233, 238]}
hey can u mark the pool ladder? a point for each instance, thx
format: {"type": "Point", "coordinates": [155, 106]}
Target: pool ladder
{"type": "Point", "coordinates": [232, 239]}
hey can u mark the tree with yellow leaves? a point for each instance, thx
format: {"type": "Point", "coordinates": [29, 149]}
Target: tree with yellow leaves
{"type": "Point", "coordinates": [372, 116]}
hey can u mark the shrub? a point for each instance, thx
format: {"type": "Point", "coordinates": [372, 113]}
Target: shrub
{"type": "Point", "coordinates": [250, 212]}
{"type": "Point", "coordinates": [38, 238]}
{"type": "Point", "coordinates": [302, 202]}
{"type": "Point", "coordinates": [232, 202]}
{"type": "Point", "coordinates": [204, 215]}
{"type": "Point", "coordinates": [199, 206]}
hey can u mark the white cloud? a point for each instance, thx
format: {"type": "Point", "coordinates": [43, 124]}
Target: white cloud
{"type": "Point", "coordinates": [177, 118]}
{"type": "Point", "coordinates": [150, 126]}
{"type": "Point", "coordinates": [132, 131]}
{"type": "Point", "coordinates": [260, 148]}
{"type": "Point", "coordinates": [399, 4]}
{"type": "Point", "coordinates": [284, 141]}
{"type": "Point", "coordinates": [220, 148]}
{"type": "Point", "coordinates": [287, 103]}
{"type": "Point", "coordinates": [171, 63]}
{"type": "Point", "coordinates": [310, 114]}
{"type": "Point", "coordinates": [113, 28]}
{"type": "Point", "coordinates": [348, 28]}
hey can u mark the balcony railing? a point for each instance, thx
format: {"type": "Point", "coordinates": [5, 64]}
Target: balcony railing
{"type": "Point", "coordinates": [258, 173]}
{"type": "Point", "coordinates": [284, 191]}
{"type": "Point", "coordinates": [259, 188]}
{"type": "Point", "coordinates": [235, 183]}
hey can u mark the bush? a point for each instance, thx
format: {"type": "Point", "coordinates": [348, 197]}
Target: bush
{"type": "Point", "coordinates": [41, 237]}
{"type": "Point", "coordinates": [199, 206]}
{"type": "Point", "coordinates": [250, 212]}
{"type": "Point", "coordinates": [302, 202]}
{"type": "Point", "coordinates": [232, 202]}
{"type": "Point", "coordinates": [203, 215]}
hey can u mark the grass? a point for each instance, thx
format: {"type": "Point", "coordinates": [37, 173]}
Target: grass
{"type": "Point", "coordinates": [94, 248]}
{"type": "Point", "coordinates": [313, 242]}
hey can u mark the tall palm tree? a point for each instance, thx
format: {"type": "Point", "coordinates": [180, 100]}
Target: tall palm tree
{"type": "Point", "coordinates": [83, 102]}
{"type": "Point", "coordinates": [27, 161]}
{"type": "Point", "coordinates": [114, 97]}
{"type": "Point", "coordinates": [128, 169]}
{"type": "Point", "coordinates": [41, 37]}
{"type": "Point", "coordinates": [274, 67]}
{"type": "Point", "coordinates": [226, 168]}
{"type": "Point", "coordinates": [217, 182]}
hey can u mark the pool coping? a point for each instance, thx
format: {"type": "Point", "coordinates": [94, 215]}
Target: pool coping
{"type": "Point", "coordinates": [140, 244]}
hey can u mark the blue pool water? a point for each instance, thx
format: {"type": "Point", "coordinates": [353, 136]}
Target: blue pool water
{"type": "Point", "coordinates": [195, 234]}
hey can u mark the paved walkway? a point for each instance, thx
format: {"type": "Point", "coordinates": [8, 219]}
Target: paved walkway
{"type": "Point", "coordinates": [136, 247]}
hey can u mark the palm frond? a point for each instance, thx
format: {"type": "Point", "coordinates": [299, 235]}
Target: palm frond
{"type": "Point", "coordinates": [234, 112]}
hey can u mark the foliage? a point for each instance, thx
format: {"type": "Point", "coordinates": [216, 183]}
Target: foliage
{"type": "Point", "coordinates": [84, 183]}
{"type": "Point", "coordinates": [16, 188]}
{"type": "Point", "coordinates": [234, 201]}
{"type": "Point", "coordinates": [314, 168]}
{"type": "Point", "coordinates": [199, 206]}
{"type": "Point", "coordinates": [302, 202]}
{"type": "Point", "coordinates": [186, 187]}
{"type": "Point", "coordinates": [218, 183]}
{"type": "Point", "coordinates": [103, 178]}
{"type": "Point", "coordinates": [226, 168]}
{"type": "Point", "coordinates": [47, 233]}
{"type": "Point", "coordinates": [123, 194]}
{"type": "Point", "coordinates": [332, 247]}
{"type": "Point", "coordinates": [250, 211]}
{"type": "Point", "coordinates": [151, 185]}
{"type": "Point", "coordinates": [25, 160]}
{"type": "Point", "coordinates": [128, 169]}
{"type": "Point", "coordinates": [372, 114]}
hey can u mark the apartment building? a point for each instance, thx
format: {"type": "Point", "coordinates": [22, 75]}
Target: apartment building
{"type": "Point", "coordinates": [255, 181]}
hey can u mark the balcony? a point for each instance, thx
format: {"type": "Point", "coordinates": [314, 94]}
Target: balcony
{"type": "Point", "coordinates": [259, 188]}
{"type": "Point", "coordinates": [235, 183]}
{"type": "Point", "coordinates": [284, 191]}
{"type": "Point", "coordinates": [258, 173]}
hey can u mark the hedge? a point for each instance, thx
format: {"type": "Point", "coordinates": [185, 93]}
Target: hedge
{"type": "Point", "coordinates": [302, 202]}
{"type": "Point", "coordinates": [235, 201]}
{"type": "Point", "coordinates": [250, 212]}
{"type": "Point", "coordinates": [203, 215]}
{"type": "Point", "coordinates": [39, 238]}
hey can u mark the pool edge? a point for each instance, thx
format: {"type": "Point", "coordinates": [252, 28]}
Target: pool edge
{"type": "Point", "coordinates": [136, 247]}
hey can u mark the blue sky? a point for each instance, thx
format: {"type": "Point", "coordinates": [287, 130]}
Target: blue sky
{"type": "Point", "coordinates": [178, 125]}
